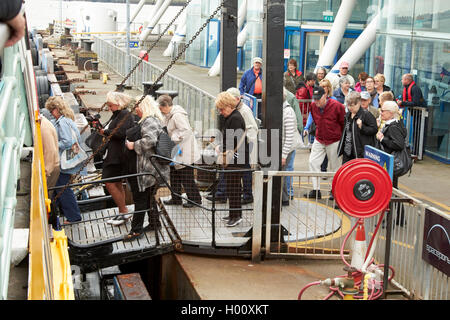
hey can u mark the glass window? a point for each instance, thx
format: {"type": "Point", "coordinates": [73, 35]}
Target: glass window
{"type": "Point", "coordinates": [433, 15]}
{"type": "Point", "coordinates": [397, 15]}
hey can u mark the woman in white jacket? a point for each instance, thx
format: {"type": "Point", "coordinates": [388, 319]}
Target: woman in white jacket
{"type": "Point", "coordinates": [188, 152]}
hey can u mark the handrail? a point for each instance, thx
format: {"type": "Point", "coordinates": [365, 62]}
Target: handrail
{"type": "Point", "coordinates": [4, 35]}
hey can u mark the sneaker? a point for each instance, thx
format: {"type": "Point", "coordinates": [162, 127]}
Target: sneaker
{"type": "Point", "coordinates": [172, 202]}
{"type": "Point", "coordinates": [218, 199]}
{"type": "Point", "coordinates": [233, 222]}
{"type": "Point", "coordinates": [313, 194]}
{"type": "Point", "coordinates": [117, 221]}
{"type": "Point", "coordinates": [226, 218]}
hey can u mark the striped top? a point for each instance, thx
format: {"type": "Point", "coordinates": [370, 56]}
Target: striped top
{"type": "Point", "coordinates": [291, 136]}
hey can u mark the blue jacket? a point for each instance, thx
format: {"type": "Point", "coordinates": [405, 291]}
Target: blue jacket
{"type": "Point", "coordinates": [247, 84]}
{"type": "Point", "coordinates": [64, 127]}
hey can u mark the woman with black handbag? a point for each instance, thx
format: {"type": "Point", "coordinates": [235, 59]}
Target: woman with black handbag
{"type": "Point", "coordinates": [115, 161]}
{"type": "Point", "coordinates": [144, 187]}
{"type": "Point", "coordinates": [392, 139]}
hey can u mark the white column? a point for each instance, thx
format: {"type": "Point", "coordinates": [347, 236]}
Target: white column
{"type": "Point", "coordinates": [241, 38]}
{"type": "Point", "coordinates": [337, 31]}
{"type": "Point", "coordinates": [158, 12]}
{"type": "Point", "coordinates": [136, 12]}
{"type": "Point", "coordinates": [359, 47]}
{"type": "Point", "coordinates": [179, 35]}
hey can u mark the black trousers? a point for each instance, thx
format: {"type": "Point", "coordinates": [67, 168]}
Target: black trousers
{"type": "Point", "coordinates": [184, 178]}
{"type": "Point", "coordinates": [234, 192]}
{"type": "Point", "coordinates": [143, 201]}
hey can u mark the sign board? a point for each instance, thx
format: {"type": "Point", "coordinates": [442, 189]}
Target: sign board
{"type": "Point", "coordinates": [287, 53]}
{"type": "Point", "coordinates": [328, 16]}
{"type": "Point", "coordinates": [134, 44]}
{"type": "Point", "coordinates": [436, 241]}
{"type": "Point", "coordinates": [385, 160]}
{"type": "Point", "coordinates": [251, 102]}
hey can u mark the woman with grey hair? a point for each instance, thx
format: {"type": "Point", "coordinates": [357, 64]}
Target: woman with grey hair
{"type": "Point", "coordinates": [115, 160]}
{"type": "Point", "coordinates": [360, 129]}
{"type": "Point", "coordinates": [343, 90]}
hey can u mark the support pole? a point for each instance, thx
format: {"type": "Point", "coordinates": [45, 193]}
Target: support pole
{"type": "Point", "coordinates": [127, 58]}
{"type": "Point", "coordinates": [272, 93]}
{"type": "Point", "coordinates": [228, 45]}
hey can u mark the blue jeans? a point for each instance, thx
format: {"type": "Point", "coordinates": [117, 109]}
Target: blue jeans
{"type": "Point", "coordinates": [286, 189]}
{"type": "Point", "coordinates": [288, 180]}
{"type": "Point", "coordinates": [67, 202]}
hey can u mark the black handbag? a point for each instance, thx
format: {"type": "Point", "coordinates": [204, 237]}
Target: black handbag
{"type": "Point", "coordinates": [402, 161]}
{"type": "Point", "coordinates": [94, 141]}
{"type": "Point", "coordinates": [134, 133]}
{"type": "Point", "coordinates": [164, 146]}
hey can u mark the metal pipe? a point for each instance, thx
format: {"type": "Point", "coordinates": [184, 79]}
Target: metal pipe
{"type": "Point", "coordinates": [127, 57]}
{"type": "Point", "coordinates": [336, 33]}
{"type": "Point", "coordinates": [155, 10]}
{"type": "Point", "coordinates": [155, 20]}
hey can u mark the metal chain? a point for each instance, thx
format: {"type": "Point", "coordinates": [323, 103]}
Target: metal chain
{"type": "Point", "coordinates": [174, 60]}
{"type": "Point", "coordinates": [152, 46]}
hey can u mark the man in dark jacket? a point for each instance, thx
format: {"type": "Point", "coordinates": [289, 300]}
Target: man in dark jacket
{"type": "Point", "coordinates": [328, 115]}
{"type": "Point", "coordinates": [359, 130]}
{"type": "Point", "coordinates": [10, 14]}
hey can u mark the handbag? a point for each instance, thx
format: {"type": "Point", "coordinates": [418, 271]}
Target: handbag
{"type": "Point", "coordinates": [402, 161]}
{"type": "Point", "coordinates": [134, 133]}
{"type": "Point", "coordinates": [75, 155]}
{"type": "Point", "coordinates": [164, 146]}
{"type": "Point", "coordinates": [94, 141]}
{"type": "Point", "coordinates": [226, 158]}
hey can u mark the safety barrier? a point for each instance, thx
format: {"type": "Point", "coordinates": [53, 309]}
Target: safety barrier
{"type": "Point", "coordinates": [315, 229]}
{"type": "Point", "coordinates": [15, 131]}
{"type": "Point", "coordinates": [198, 103]}
{"type": "Point", "coordinates": [415, 122]}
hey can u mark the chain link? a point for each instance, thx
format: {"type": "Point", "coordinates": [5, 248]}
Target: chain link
{"type": "Point", "coordinates": [174, 60]}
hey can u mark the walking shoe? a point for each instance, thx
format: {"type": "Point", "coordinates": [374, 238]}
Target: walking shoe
{"type": "Point", "coordinates": [246, 200]}
{"type": "Point", "coordinates": [285, 203]}
{"type": "Point", "coordinates": [218, 199]}
{"type": "Point", "coordinates": [172, 202]}
{"type": "Point", "coordinates": [225, 218]}
{"type": "Point", "coordinates": [331, 198]}
{"type": "Point", "coordinates": [313, 194]}
{"type": "Point", "coordinates": [119, 220]}
{"type": "Point", "coordinates": [233, 222]}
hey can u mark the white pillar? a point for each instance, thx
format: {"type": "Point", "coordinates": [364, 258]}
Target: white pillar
{"type": "Point", "coordinates": [241, 38]}
{"type": "Point", "coordinates": [155, 20]}
{"type": "Point", "coordinates": [359, 47]}
{"type": "Point", "coordinates": [179, 35]}
{"type": "Point", "coordinates": [337, 31]}
{"type": "Point", "coordinates": [136, 12]}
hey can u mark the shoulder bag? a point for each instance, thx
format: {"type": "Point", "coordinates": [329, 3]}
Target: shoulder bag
{"type": "Point", "coordinates": [75, 155]}
{"type": "Point", "coordinates": [226, 158]}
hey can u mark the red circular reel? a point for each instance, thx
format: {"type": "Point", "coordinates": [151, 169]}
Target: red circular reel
{"type": "Point", "coordinates": [362, 188]}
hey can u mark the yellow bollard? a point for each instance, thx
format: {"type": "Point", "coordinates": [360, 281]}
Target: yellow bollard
{"type": "Point", "coordinates": [105, 78]}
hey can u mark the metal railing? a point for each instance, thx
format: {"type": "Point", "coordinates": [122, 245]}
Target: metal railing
{"type": "Point", "coordinates": [198, 103]}
{"type": "Point", "coordinates": [307, 229]}
{"type": "Point", "coordinates": [15, 130]}
{"type": "Point", "coordinates": [415, 119]}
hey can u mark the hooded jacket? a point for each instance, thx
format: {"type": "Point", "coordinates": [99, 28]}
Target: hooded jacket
{"type": "Point", "coordinates": [180, 131]}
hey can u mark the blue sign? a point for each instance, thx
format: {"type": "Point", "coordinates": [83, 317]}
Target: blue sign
{"type": "Point", "coordinates": [251, 102]}
{"type": "Point", "coordinates": [134, 44]}
{"type": "Point", "coordinates": [384, 159]}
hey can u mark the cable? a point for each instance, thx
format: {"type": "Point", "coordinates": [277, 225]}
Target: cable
{"type": "Point", "coordinates": [306, 287]}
